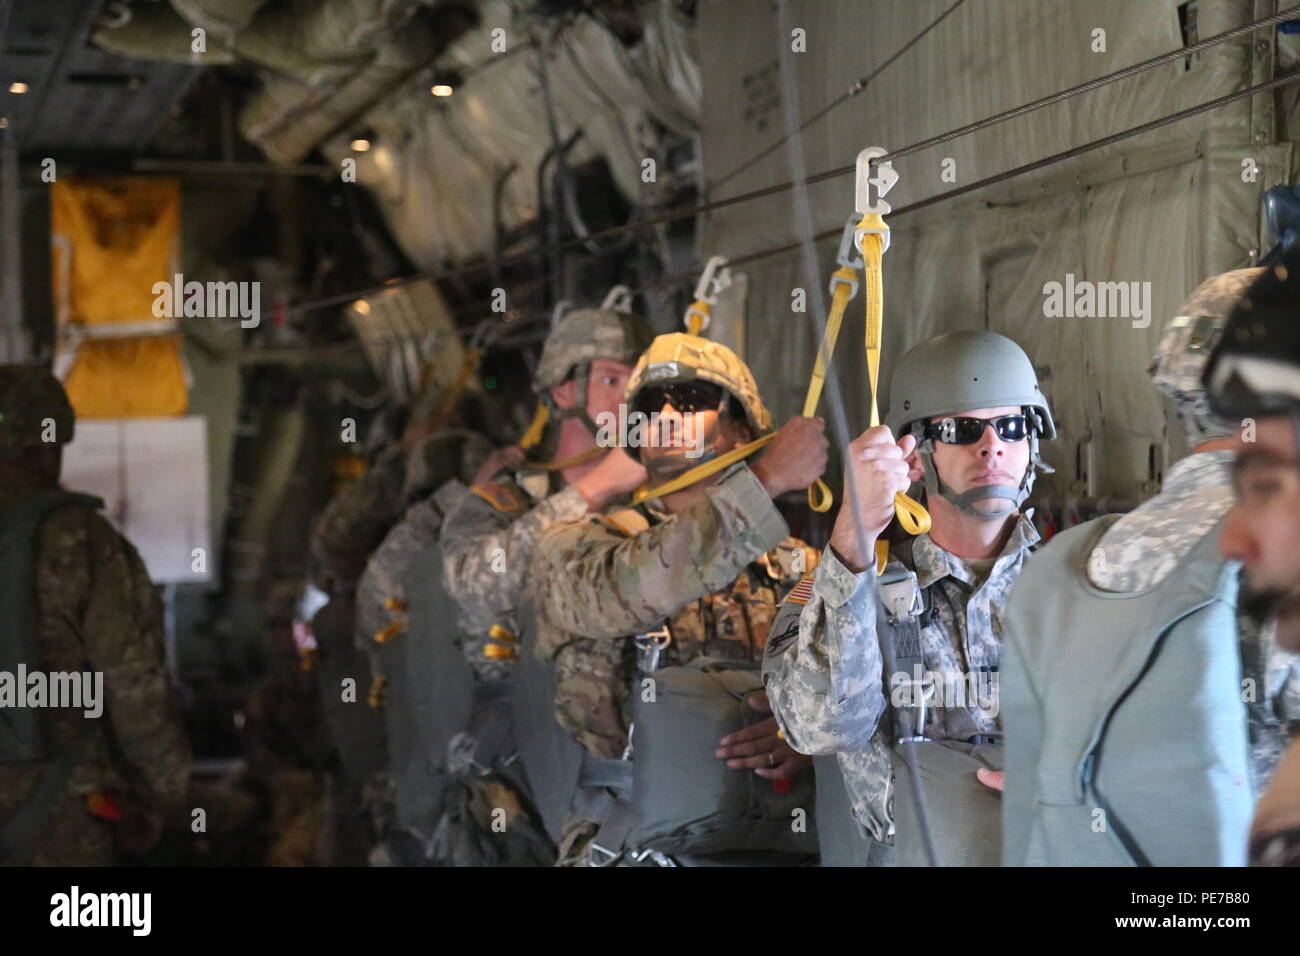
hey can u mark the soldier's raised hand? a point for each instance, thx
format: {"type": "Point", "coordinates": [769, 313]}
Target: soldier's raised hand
{"type": "Point", "coordinates": [512, 456]}
{"type": "Point", "coordinates": [877, 465]}
{"type": "Point", "coordinates": [795, 458]}
{"type": "Point", "coordinates": [617, 474]}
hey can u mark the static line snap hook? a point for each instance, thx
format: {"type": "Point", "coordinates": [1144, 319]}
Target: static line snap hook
{"type": "Point", "coordinates": [872, 181]}
{"type": "Point", "coordinates": [715, 278]}
{"type": "Point", "coordinates": [557, 313]}
{"type": "Point", "coordinates": [618, 298]}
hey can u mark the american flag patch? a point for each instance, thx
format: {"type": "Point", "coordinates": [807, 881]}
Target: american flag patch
{"type": "Point", "coordinates": [802, 592]}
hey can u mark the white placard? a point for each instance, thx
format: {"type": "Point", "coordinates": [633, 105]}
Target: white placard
{"type": "Point", "coordinates": [153, 476]}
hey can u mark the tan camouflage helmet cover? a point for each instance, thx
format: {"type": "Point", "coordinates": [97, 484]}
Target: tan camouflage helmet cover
{"type": "Point", "coordinates": [678, 357]}
{"type": "Point", "coordinates": [586, 335]}
{"type": "Point", "coordinates": [1185, 346]}
{"type": "Point", "coordinates": [33, 408]}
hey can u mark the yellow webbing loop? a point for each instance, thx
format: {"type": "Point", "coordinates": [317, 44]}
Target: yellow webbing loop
{"type": "Point", "coordinates": [498, 633]}
{"type": "Point", "coordinates": [389, 632]}
{"type": "Point", "coordinates": [450, 400]}
{"type": "Point", "coordinates": [582, 457]}
{"type": "Point", "coordinates": [699, 472]}
{"type": "Point", "coordinates": [536, 428]}
{"type": "Point", "coordinates": [820, 498]}
{"type": "Point", "coordinates": [911, 515]}
{"type": "Point", "coordinates": [697, 316]}
{"type": "Point", "coordinates": [378, 690]}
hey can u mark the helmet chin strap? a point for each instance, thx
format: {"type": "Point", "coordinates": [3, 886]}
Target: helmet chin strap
{"type": "Point", "coordinates": [1013, 495]}
{"type": "Point", "coordinates": [578, 410]}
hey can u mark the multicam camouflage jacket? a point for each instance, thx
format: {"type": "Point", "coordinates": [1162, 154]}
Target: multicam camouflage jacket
{"type": "Point", "coordinates": [825, 675]}
{"type": "Point", "coordinates": [711, 574]}
{"type": "Point", "coordinates": [1142, 547]}
{"type": "Point", "coordinates": [487, 547]}
{"type": "Point", "coordinates": [98, 612]}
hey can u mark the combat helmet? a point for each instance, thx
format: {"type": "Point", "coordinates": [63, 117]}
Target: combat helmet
{"type": "Point", "coordinates": [965, 370]}
{"type": "Point", "coordinates": [679, 357]}
{"type": "Point", "coordinates": [34, 410]}
{"type": "Point", "coordinates": [579, 338]}
{"type": "Point", "coordinates": [1185, 346]}
{"type": "Point", "coordinates": [1255, 368]}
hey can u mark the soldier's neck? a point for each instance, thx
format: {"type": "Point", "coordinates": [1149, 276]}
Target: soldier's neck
{"type": "Point", "coordinates": [575, 438]}
{"type": "Point", "coordinates": [16, 473]}
{"type": "Point", "coordinates": [966, 536]}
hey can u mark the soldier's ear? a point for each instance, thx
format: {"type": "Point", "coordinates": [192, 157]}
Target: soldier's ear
{"type": "Point", "coordinates": [566, 395]}
{"type": "Point", "coordinates": [914, 470]}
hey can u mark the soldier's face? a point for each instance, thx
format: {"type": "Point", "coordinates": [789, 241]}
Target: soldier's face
{"type": "Point", "coordinates": [606, 387]}
{"type": "Point", "coordinates": [1263, 526]}
{"type": "Point", "coordinates": [686, 440]}
{"type": "Point", "coordinates": [989, 461]}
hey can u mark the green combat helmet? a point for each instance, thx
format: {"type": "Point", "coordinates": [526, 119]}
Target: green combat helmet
{"type": "Point", "coordinates": [957, 372]}
{"type": "Point", "coordinates": [1184, 351]}
{"type": "Point", "coordinates": [34, 410]}
{"type": "Point", "coordinates": [580, 338]}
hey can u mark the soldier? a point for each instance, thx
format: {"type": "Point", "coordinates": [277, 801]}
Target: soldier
{"type": "Point", "coordinates": [709, 557]}
{"type": "Point", "coordinates": [968, 412]}
{"type": "Point", "coordinates": [487, 539]}
{"type": "Point", "coordinates": [75, 598]}
{"type": "Point", "coordinates": [1129, 676]}
{"type": "Point", "coordinates": [429, 453]}
{"type": "Point", "coordinates": [1253, 377]}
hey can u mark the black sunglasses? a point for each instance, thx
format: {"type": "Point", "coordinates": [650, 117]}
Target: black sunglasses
{"type": "Point", "coordinates": [686, 397]}
{"type": "Point", "coordinates": [960, 430]}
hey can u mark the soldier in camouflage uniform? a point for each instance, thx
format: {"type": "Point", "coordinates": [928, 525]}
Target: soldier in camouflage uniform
{"type": "Point", "coordinates": [1253, 377]}
{"type": "Point", "coordinates": [94, 610]}
{"type": "Point", "coordinates": [488, 537]}
{"type": "Point", "coordinates": [972, 401]}
{"type": "Point", "coordinates": [1141, 549]}
{"type": "Point", "coordinates": [704, 565]}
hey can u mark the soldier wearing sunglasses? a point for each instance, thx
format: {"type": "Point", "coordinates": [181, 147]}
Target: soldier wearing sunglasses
{"type": "Point", "coordinates": [965, 417]}
{"type": "Point", "coordinates": [694, 573]}
{"type": "Point", "coordinates": [1144, 711]}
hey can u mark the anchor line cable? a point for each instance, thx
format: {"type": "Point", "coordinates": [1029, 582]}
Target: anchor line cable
{"type": "Point", "coordinates": [766, 191]}
{"type": "Point", "coordinates": [692, 274]}
{"type": "Point", "coordinates": [839, 416]}
{"type": "Point", "coordinates": [857, 87]}
{"type": "Point", "coordinates": [1095, 84]}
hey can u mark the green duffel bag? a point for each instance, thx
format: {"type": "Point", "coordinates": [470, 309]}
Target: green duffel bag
{"type": "Point", "coordinates": [964, 816]}
{"type": "Point", "coordinates": [686, 800]}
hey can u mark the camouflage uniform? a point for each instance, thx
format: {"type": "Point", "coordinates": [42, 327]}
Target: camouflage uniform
{"type": "Point", "coordinates": [98, 612]}
{"type": "Point", "coordinates": [711, 573]}
{"type": "Point", "coordinates": [488, 542]}
{"type": "Point", "coordinates": [1142, 547]}
{"type": "Point", "coordinates": [824, 670]}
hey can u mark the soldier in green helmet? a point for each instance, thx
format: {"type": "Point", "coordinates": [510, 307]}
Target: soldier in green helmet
{"type": "Point", "coordinates": [76, 598]}
{"type": "Point", "coordinates": [965, 418]}
{"type": "Point", "coordinates": [489, 537]}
